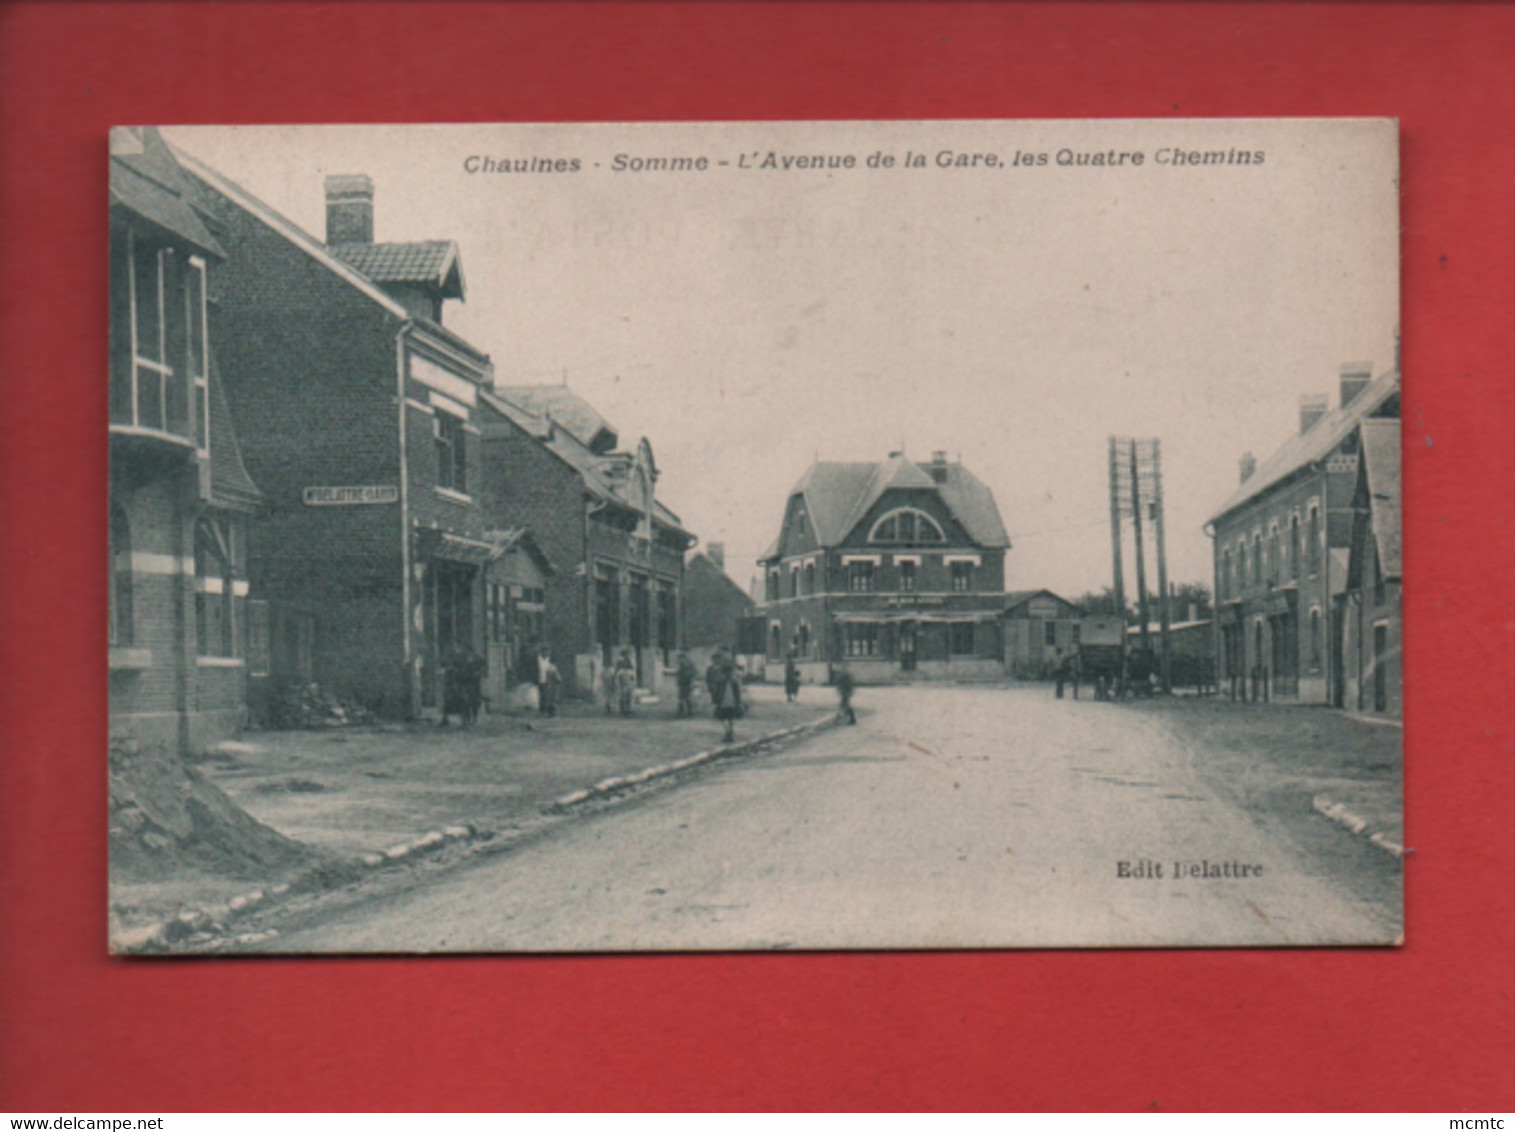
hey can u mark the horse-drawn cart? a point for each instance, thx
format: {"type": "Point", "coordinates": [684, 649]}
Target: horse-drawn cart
{"type": "Point", "coordinates": [1102, 653]}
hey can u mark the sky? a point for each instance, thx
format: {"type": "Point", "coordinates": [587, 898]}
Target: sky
{"type": "Point", "coordinates": [750, 319]}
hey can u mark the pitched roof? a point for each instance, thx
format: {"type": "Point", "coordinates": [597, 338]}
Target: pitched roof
{"type": "Point", "coordinates": [435, 263]}
{"type": "Point", "coordinates": [702, 564]}
{"type": "Point", "coordinates": [288, 229]}
{"type": "Point", "coordinates": [1014, 599]}
{"type": "Point", "coordinates": [594, 469]}
{"type": "Point", "coordinates": [1303, 449]}
{"type": "Point", "coordinates": [1380, 455]}
{"type": "Point", "coordinates": [566, 409]}
{"type": "Point", "coordinates": [838, 495]}
{"type": "Point", "coordinates": [508, 540]}
{"type": "Point", "coordinates": [146, 180]}
{"type": "Point", "coordinates": [229, 482]}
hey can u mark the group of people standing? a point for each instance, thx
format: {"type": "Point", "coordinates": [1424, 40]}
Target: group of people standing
{"type": "Point", "coordinates": [464, 674]}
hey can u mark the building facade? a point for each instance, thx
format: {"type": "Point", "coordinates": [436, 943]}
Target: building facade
{"type": "Point", "coordinates": [1040, 629]}
{"type": "Point", "coordinates": [1374, 677]}
{"type": "Point", "coordinates": [180, 496]}
{"type": "Point", "coordinates": [716, 609]}
{"type": "Point", "coordinates": [1281, 545]}
{"type": "Point", "coordinates": [617, 551]}
{"type": "Point", "coordinates": [896, 569]}
{"type": "Point", "coordinates": [367, 564]}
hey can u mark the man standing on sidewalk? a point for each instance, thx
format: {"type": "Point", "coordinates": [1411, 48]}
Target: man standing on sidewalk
{"type": "Point", "coordinates": [685, 677]}
{"type": "Point", "coordinates": [548, 680]}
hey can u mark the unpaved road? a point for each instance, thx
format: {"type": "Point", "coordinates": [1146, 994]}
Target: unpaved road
{"type": "Point", "coordinates": [949, 817]}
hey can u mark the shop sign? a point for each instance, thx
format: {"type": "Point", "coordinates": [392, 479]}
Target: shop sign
{"type": "Point", "coordinates": [351, 496]}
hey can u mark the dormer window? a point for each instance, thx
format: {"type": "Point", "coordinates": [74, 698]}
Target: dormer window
{"type": "Point", "coordinates": [908, 527]}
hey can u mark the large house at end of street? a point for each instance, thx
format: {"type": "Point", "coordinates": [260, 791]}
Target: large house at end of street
{"type": "Point", "coordinates": [895, 568]}
{"type": "Point", "coordinates": [180, 497]}
{"type": "Point", "coordinates": [1281, 546]}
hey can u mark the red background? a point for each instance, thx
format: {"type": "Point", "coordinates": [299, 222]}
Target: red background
{"type": "Point", "coordinates": [1425, 1027]}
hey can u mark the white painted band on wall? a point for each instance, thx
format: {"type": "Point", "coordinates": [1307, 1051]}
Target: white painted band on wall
{"type": "Point", "coordinates": [972, 559]}
{"type": "Point", "coordinates": [448, 405]}
{"type": "Point", "coordinates": [145, 562]}
{"type": "Point", "coordinates": [433, 376]}
{"type": "Point", "coordinates": [419, 407]}
{"type": "Point", "coordinates": [848, 559]}
{"type": "Point", "coordinates": [912, 558]}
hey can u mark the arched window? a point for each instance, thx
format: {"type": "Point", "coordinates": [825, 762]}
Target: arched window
{"type": "Point", "coordinates": [1314, 640]}
{"type": "Point", "coordinates": [810, 577]}
{"type": "Point", "coordinates": [908, 527]}
{"type": "Point", "coordinates": [120, 577]}
{"type": "Point", "coordinates": [1313, 553]}
{"type": "Point", "coordinates": [1294, 547]}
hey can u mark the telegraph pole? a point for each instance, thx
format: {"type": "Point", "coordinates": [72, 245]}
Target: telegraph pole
{"type": "Point", "coordinates": [1164, 612]}
{"type": "Point", "coordinates": [1136, 525]}
{"type": "Point", "coordinates": [1115, 500]}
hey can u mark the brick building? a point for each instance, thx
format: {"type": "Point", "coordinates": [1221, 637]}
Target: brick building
{"type": "Point", "coordinates": [896, 568]}
{"type": "Point", "coordinates": [356, 408]}
{"type": "Point", "coordinates": [1040, 628]}
{"type": "Point", "coordinates": [1374, 679]}
{"type": "Point", "coordinates": [552, 462]}
{"type": "Point", "coordinates": [715, 607]}
{"type": "Point", "coordinates": [1281, 544]}
{"type": "Point", "coordinates": [180, 496]}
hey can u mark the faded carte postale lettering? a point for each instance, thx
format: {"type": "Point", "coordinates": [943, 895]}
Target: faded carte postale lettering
{"type": "Point", "coordinates": [753, 535]}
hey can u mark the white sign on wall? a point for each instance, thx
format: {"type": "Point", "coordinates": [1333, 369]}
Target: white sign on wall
{"type": "Point", "coordinates": [351, 496]}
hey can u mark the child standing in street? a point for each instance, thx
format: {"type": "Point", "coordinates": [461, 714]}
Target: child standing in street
{"type": "Point", "coordinates": [725, 684]}
{"type": "Point", "coordinates": [844, 688]}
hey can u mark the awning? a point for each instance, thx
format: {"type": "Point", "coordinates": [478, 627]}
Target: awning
{"type": "Point", "coordinates": [896, 618]}
{"type": "Point", "coordinates": [453, 548]}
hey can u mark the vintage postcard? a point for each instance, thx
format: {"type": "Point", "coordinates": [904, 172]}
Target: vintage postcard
{"type": "Point", "coordinates": [754, 535]}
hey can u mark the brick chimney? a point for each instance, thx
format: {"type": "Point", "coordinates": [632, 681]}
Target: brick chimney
{"type": "Point", "coordinates": [938, 468]}
{"type": "Point", "coordinates": [716, 552]}
{"type": "Point", "coordinates": [1312, 406]}
{"type": "Point", "coordinates": [1355, 377]}
{"type": "Point", "coordinates": [349, 209]}
{"type": "Point", "coordinates": [1248, 466]}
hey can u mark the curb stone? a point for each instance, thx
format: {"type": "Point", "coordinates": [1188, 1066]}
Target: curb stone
{"type": "Point", "coordinates": [209, 927]}
{"type": "Point", "coordinates": [1338, 812]}
{"type": "Point", "coordinates": [609, 787]}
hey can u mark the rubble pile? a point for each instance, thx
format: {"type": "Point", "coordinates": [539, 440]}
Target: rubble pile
{"type": "Point", "coordinates": [306, 707]}
{"type": "Point", "coordinates": [165, 815]}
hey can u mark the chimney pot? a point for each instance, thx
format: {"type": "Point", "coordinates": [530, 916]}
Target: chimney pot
{"type": "Point", "coordinates": [1355, 377]}
{"type": "Point", "coordinates": [1312, 406]}
{"type": "Point", "coordinates": [349, 209]}
{"type": "Point", "coordinates": [1248, 466]}
{"type": "Point", "coordinates": [716, 552]}
{"type": "Point", "coordinates": [939, 467]}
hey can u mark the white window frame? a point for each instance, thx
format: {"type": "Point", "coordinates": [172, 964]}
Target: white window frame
{"type": "Point", "coordinates": [199, 407]}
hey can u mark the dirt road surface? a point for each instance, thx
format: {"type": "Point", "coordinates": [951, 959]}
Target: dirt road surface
{"type": "Point", "coordinates": [949, 817]}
